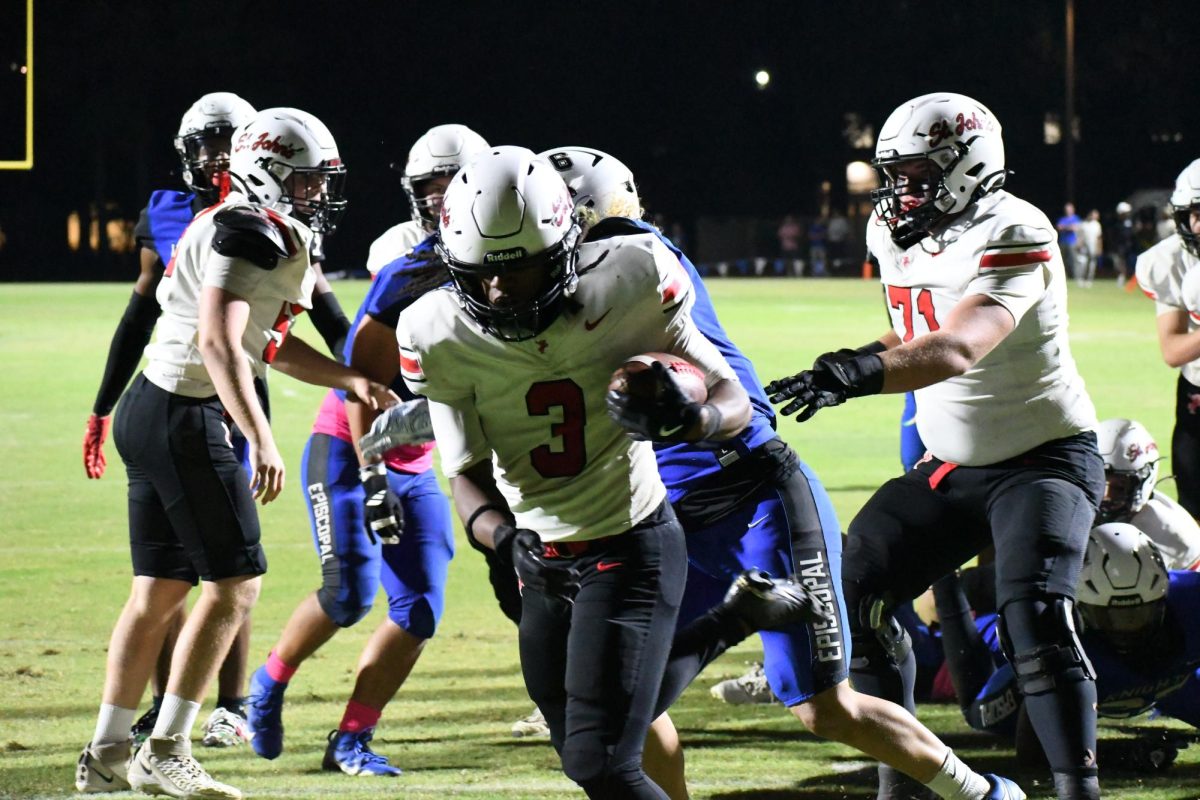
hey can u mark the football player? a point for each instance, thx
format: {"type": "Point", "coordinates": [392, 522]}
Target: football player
{"type": "Point", "coordinates": [1131, 473]}
{"type": "Point", "coordinates": [377, 518]}
{"type": "Point", "coordinates": [977, 293]}
{"type": "Point", "coordinates": [239, 275]}
{"type": "Point", "coordinates": [1161, 272]}
{"type": "Point", "coordinates": [515, 360]}
{"type": "Point", "coordinates": [432, 161]}
{"type": "Point", "coordinates": [753, 503]}
{"type": "Point", "coordinates": [1140, 629]}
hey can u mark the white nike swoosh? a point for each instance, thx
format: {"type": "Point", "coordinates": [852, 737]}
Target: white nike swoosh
{"type": "Point", "coordinates": [758, 521]}
{"type": "Point", "coordinates": [669, 431]}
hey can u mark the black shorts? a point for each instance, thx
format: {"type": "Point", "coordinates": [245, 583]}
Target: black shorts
{"type": "Point", "coordinates": [191, 514]}
{"type": "Point", "coordinates": [1185, 445]}
{"type": "Point", "coordinates": [1037, 508]}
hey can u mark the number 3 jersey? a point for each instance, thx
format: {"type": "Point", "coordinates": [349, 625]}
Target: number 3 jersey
{"type": "Point", "coordinates": [1027, 390]}
{"type": "Point", "coordinates": [536, 408]}
{"type": "Point", "coordinates": [275, 296]}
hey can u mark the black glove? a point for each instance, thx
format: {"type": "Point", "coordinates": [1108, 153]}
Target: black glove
{"type": "Point", "coordinates": [381, 507]}
{"type": "Point", "coordinates": [664, 414]}
{"type": "Point", "coordinates": [521, 549]}
{"type": "Point", "coordinates": [830, 382]}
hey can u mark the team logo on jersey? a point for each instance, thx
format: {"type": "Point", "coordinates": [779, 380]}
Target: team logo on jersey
{"type": "Point", "coordinates": [542, 344]}
{"type": "Point", "coordinates": [276, 145]}
{"type": "Point", "coordinates": [943, 129]}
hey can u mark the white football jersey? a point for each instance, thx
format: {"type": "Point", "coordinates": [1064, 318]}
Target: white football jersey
{"type": "Point", "coordinates": [1027, 390]}
{"type": "Point", "coordinates": [275, 296]}
{"type": "Point", "coordinates": [536, 408]}
{"type": "Point", "coordinates": [1172, 529]}
{"type": "Point", "coordinates": [1163, 272]}
{"type": "Point", "coordinates": [395, 242]}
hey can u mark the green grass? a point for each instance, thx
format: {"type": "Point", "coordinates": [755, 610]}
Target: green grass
{"type": "Point", "coordinates": [64, 572]}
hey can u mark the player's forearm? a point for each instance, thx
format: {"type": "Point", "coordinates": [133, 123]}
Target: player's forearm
{"type": "Point", "coordinates": [129, 340]}
{"type": "Point", "coordinates": [1179, 348]}
{"type": "Point", "coordinates": [359, 417]}
{"type": "Point", "coordinates": [230, 373]}
{"type": "Point", "coordinates": [924, 362]}
{"type": "Point", "coordinates": [297, 359]}
{"type": "Point", "coordinates": [479, 503]}
{"type": "Point", "coordinates": [732, 405]}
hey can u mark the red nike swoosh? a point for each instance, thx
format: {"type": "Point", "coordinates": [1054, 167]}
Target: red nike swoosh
{"type": "Point", "coordinates": [605, 566]}
{"type": "Point", "coordinates": [589, 325]}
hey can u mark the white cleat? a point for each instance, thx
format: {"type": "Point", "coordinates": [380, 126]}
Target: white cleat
{"type": "Point", "coordinates": [747, 689]}
{"type": "Point", "coordinates": [225, 728]}
{"type": "Point", "coordinates": [103, 768]}
{"type": "Point", "coordinates": [533, 725]}
{"type": "Point", "coordinates": [165, 766]}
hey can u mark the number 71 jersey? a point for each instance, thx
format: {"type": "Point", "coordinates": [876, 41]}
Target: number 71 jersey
{"type": "Point", "coordinates": [1027, 390]}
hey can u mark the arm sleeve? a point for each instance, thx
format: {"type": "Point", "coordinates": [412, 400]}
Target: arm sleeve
{"type": "Point", "coordinates": [141, 231]}
{"type": "Point", "coordinates": [330, 321]}
{"type": "Point", "coordinates": [129, 340]}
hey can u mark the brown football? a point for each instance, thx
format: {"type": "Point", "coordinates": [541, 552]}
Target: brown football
{"type": "Point", "coordinates": [633, 377]}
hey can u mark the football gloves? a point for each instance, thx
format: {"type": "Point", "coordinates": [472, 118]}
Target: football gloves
{"type": "Point", "coordinates": [666, 414]}
{"type": "Point", "coordinates": [406, 423]}
{"type": "Point", "coordinates": [833, 379]}
{"type": "Point", "coordinates": [521, 549]}
{"type": "Point", "coordinates": [93, 446]}
{"type": "Point", "coordinates": [384, 516]}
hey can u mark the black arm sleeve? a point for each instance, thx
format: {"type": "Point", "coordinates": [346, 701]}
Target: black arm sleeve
{"type": "Point", "coordinates": [330, 321]}
{"type": "Point", "coordinates": [129, 340]}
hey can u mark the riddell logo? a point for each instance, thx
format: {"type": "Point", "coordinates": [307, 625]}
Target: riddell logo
{"type": "Point", "coordinates": [501, 256]}
{"type": "Point", "coordinates": [276, 145]}
{"type": "Point", "coordinates": [944, 129]}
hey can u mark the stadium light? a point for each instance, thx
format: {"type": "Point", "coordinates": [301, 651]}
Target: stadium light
{"type": "Point", "coordinates": [762, 78]}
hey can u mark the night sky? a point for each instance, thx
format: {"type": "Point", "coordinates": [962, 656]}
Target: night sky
{"type": "Point", "coordinates": [667, 87]}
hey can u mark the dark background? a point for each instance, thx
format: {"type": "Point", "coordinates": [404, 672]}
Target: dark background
{"type": "Point", "coordinates": [666, 87]}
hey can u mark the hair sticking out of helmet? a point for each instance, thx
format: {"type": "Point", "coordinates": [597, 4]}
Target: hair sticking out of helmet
{"type": "Point", "coordinates": [509, 239]}
{"type": "Point", "coordinates": [203, 142]}
{"type": "Point", "coordinates": [438, 154]}
{"type": "Point", "coordinates": [936, 155]}
{"type": "Point", "coordinates": [1185, 203]}
{"type": "Point", "coordinates": [1122, 589]}
{"type": "Point", "coordinates": [286, 159]}
{"type": "Point", "coordinates": [1130, 468]}
{"type": "Point", "coordinates": [600, 184]}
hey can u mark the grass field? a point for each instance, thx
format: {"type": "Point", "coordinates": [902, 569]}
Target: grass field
{"type": "Point", "coordinates": [64, 572]}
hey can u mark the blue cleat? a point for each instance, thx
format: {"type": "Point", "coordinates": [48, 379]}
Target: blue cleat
{"type": "Point", "coordinates": [264, 714]}
{"type": "Point", "coordinates": [351, 753]}
{"type": "Point", "coordinates": [1003, 789]}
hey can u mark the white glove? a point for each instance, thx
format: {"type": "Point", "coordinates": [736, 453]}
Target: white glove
{"type": "Point", "coordinates": [406, 423]}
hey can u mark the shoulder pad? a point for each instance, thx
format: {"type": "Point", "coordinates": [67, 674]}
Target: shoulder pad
{"type": "Point", "coordinates": [614, 226]}
{"type": "Point", "coordinates": [253, 234]}
{"type": "Point", "coordinates": [1022, 234]}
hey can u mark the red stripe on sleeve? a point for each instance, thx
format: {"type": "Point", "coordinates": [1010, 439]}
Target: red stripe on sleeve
{"type": "Point", "coordinates": [410, 365]}
{"type": "Point", "coordinates": [1014, 259]}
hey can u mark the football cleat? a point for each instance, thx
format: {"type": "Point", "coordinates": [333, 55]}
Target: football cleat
{"type": "Point", "coordinates": [225, 728]}
{"type": "Point", "coordinates": [1002, 789]}
{"type": "Point", "coordinates": [747, 689]}
{"type": "Point", "coordinates": [164, 765]}
{"type": "Point", "coordinates": [140, 731]}
{"type": "Point", "coordinates": [264, 714]}
{"type": "Point", "coordinates": [532, 726]}
{"type": "Point", "coordinates": [350, 752]}
{"type": "Point", "coordinates": [765, 603]}
{"type": "Point", "coordinates": [103, 768]}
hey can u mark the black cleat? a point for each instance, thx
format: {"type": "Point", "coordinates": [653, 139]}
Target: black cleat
{"type": "Point", "coordinates": [143, 727]}
{"type": "Point", "coordinates": [765, 603]}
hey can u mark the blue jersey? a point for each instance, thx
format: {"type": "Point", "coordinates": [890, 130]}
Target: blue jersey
{"type": "Point", "coordinates": [164, 220]}
{"type": "Point", "coordinates": [389, 295]}
{"type": "Point", "coordinates": [684, 465]}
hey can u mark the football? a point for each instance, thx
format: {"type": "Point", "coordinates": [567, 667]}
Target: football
{"type": "Point", "coordinates": [633, 377]}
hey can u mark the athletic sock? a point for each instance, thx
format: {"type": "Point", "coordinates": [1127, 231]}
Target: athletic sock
{"type": "Point", "coordinates": [233, 704]}
{"type": "Point", "coordinates": [279, 671]}
{"type": "Point", "coordinates": [359, 717]}
{"type": "Point", "coordinates": [112, 724]}
{"type": "Point", "coordinates": [177, 716]}
{"type": "Point", "coordinates": [956, 781]}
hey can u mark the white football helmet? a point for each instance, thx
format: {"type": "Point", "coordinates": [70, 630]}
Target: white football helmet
{"type": "Point", "coordinates": [286, 159]}
{"type": "Point", "coordinates": [960, 142]}
{"type": "Point", "coordinates": [1122, 589]}
{"type": "Point", "coordinates": [1184, 199]}
{"type": "Point", "coordinates": [507, 214]}
{"type": "Point", "coordinates": [441, 150]}
{"type": "Point", "coordinates": [601, 186]}
{"type": "Point", "coordinates": [203, 142]}
{"type": "Point", "coordinates": [1130, 468]}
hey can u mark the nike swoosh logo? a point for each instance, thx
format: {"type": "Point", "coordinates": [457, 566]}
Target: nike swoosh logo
{"type": "Point", "coordinates": [758, 521]}
{"type": "Point", "coordinates": [589, 325]}
{"type": "Point", "coordinates": [106, 778]}
{"type": "Point", "coordinates": [605, 566]}
{"type": "Point", "coordinates": [669, 431]}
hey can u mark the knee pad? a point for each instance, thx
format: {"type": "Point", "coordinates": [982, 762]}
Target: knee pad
{"type": "Point", "coordinates": [416, 618]}
{"type": "Point", "coordinates": [343, 611]}
{"type": "Point", "coordinates": [1045, 666]}
{"type": "Point", "coordinates": [585, 760]}
{"type": "Point", "coordinates": [875, 615]}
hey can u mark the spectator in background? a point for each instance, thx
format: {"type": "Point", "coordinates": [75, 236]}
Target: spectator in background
{"type": "Point", "coordinates": [1091, 241]}
{"type": "Point", "coordinates": [839, 236]}
{"type": "Point", "coordinates": [789, 234]}
{"type": "Point", "coordinates": [1165, 227]}
{"type": "Point", "coordinates": [818, 235]}
{"type": "Point", "coordinates": [1068, 239]}
{"type": "Point", "coordinates": [1122, 245]}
